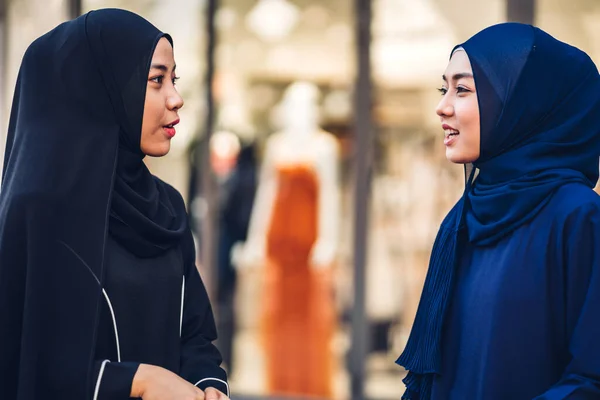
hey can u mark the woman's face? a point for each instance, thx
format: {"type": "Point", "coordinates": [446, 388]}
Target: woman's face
{"type": "Point", "coordinates": [459, 110]}
{"type": "Point", "coordinates": [162, 102]}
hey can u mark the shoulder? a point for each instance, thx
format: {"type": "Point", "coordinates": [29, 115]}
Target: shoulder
{"type": "Point", "coordinates": [574, 198]}
{"type": "Point", "coordinates": [326, 146]}
{"type": "Point", "coordinates": [272, 144]}
{"type": "Point", "coordinates": [327, 141]}
{"type": "Point", "coordinates": [576, 206]}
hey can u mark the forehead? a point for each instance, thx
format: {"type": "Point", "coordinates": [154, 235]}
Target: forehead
{"type": "Point", "coordinates": [163, 52]}
{"type": "Point", "coordinates": [459, 63]}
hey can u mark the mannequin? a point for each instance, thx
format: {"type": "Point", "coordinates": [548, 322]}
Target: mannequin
{"type": "Point", "coordinates": [294, 234]}
{"type": "Point", "coordinates": [235, 166]}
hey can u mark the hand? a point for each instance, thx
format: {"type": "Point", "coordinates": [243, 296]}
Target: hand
{"type": "Point", "coordinates": [213, 394]}
{"type": "Point", "coordinates": [155, 383]}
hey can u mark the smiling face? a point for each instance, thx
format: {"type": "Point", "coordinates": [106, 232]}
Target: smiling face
{"type": "Point", "coordinates": [459, 111]}
{"type": "Point", "coordinates": [161, 104]}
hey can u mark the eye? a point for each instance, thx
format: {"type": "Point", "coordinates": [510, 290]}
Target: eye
{"type": "Point", "coordinates": [157, 79]}
{"type": "Point", "coordinates": [461, 89]}
{"type": "Point", "coordinates": [175, 79]}
{"type": "Point", "coordinates": [443, 90]}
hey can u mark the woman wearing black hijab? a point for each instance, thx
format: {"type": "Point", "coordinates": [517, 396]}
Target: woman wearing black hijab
{"type": "Point", "coordinates": [99, 294]}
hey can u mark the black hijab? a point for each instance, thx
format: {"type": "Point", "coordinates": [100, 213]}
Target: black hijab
{"type": "Point", "coordinates": [142, 215]}
{"type": "Point", "coordinates": [73, 171]}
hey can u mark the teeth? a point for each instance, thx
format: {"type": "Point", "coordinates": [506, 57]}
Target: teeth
{"type": "Point", "coordinates": [451, 132]}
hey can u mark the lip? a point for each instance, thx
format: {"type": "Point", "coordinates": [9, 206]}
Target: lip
{"type": "Point", "coordinates": [170, 132]}
{"type": "Point", "coordinates": [446, 126]}
{"type": "Point", "coordinates": [449, 139]}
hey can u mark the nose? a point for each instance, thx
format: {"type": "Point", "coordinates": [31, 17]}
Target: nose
{"type": "Point", "coordinates": [445, 108]}
{"type": "Point", "coordinates": [174, 101]}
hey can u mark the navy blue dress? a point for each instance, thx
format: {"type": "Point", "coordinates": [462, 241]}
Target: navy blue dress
{"type": "Point", "coordinates": [524, 319]}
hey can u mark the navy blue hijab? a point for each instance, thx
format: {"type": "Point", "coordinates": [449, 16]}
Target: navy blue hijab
{"type": "Point", "coordinates": [73, 172]}
{"type": "Point", "coordinates": [539, 103]}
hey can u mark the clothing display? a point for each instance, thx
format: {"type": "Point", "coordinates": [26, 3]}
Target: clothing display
{"type": "Point", "coordinates": [298, 319]}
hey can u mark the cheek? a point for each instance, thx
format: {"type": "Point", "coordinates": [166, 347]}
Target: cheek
{"type": "Point", "coordinates": [152, 112]}
{"type": "Point", "coordinates": [468, 117]}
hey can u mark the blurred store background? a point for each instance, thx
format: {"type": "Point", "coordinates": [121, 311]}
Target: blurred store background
{"type": "Point", "coordinates": [312, 162]}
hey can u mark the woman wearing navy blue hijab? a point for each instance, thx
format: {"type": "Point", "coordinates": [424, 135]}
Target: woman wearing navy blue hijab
{"type": "Point", "coordinates": [511, 304]}
{"type": "Point", "coordinates": [99, 294]}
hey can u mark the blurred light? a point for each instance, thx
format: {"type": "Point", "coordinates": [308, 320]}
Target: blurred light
{"type": "Point", "coordinates": [281, 57]}
{"type": "Point", "coordinates": [316, 16]}
{"type": "Point", "coordinates": [224, 144]}
{"type": "Point", "coordinates": [407, 17]}
{"type": "Point", "coordinates": [261, 97]}
{"type": "Point", "coordinates": [411, 42]}
{"type": "Point", "coordinates": [337, 104]}
{"type": "Point", "coordinates": [225, 54]}
{"type": "Point", "coordinates": [224, 149]}
{"type": "Point", "coordinates": [411, 63]}
{"type": "Point", "coordinates": [225, 18]}
{"type": "Point", "coordinates": [272, 20]}
{"type": "Point", "coordinates": [249, 52]}
{"type": "Point", "coordinates": [234, 116]}
{"type": "Point", "coordinates": [339, 34]}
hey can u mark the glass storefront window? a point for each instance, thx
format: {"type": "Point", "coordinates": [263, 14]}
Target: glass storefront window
{"type": "Point", "coordinates": [263, 47]}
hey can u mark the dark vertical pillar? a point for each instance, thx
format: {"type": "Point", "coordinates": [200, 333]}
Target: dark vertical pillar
{"type": "Point", "coordinates": [363, 156]}
{"type": "Point", "coordinates": [520, 11]}
{"type": "Point", "coordinates": [207, 182]}
{"type": "Point", "coordinates": [74, 8]}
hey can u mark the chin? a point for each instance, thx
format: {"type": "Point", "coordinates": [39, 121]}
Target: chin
{"type": "Point", "coordinates": [460, 158]}
{"type": "Point", "coordinates": [159, 150]}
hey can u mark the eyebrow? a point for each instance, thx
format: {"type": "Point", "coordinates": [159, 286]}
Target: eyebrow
{"type": "Point", "coordinates": [162, 67]}
{"type": "Point", "coordinates": [458, 76]}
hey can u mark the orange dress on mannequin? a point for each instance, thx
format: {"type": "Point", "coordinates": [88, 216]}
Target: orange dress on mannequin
{"type": "Point", "coordinates": [298, 319]}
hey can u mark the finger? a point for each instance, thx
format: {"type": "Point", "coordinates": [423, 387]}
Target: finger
{"type": "Point", "coordinates": [222, 396]}
{"type": "Point", "coordinates": [212, 394]}
{"type": "Point", "coordinates": [200, 395]}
